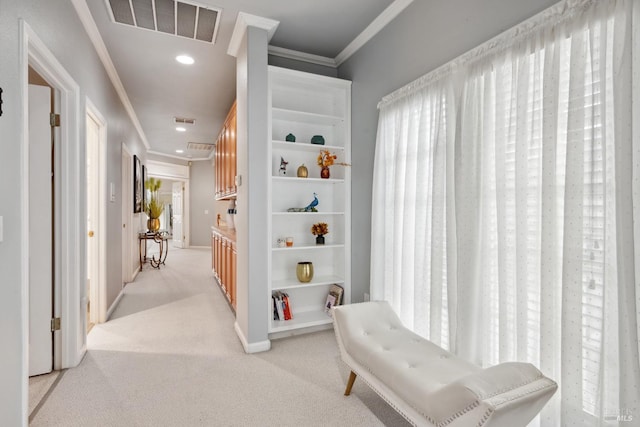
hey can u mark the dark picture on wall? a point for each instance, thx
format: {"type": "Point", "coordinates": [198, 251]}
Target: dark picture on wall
{"type": "Point", "coordinates": [137, 185]}
{"type": "Point", "coordinates": [144, 190]}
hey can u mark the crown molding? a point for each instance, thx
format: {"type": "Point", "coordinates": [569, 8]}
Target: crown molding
{"type": "Point", "coordinates": [245, 20]}
{"type": "Point", "coordinates": [372, 29]}
{"type": "Point", "coordinates": [302, 56]}
{"type": "Point", "coordinates": [92, 30]}
{"type": "Point", "coordinates": [173, 156]}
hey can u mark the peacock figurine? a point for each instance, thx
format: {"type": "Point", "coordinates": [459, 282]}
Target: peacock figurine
{"type": "Point", "coordinates": [312, 206]}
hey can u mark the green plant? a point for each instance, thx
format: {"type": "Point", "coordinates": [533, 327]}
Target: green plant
{"type": "Point", "coordinates": [154, 207]}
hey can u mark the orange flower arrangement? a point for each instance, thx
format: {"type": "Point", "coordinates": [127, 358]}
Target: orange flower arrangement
{"type": "Point", "coordinates": [326, 159]}
{"type": "Point", "coordinates": [320, 229]}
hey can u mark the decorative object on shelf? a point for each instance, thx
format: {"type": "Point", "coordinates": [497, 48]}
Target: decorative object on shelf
{"type": "Point", "coordinates": [281, 243]}
{"type": "Point", "coordinates": [326, 159]}
{"type": "Point", "coordinates": [154, 206]}
{"type": "Point", "coordinates": [304, 271]}
{"type": "Point", "coordinates": [319, 229]}
{"type": "Point", "coordinates": [289, 241]}
{"type": "Point", "coordinates": [311, 207]}
{"type": "Point", "coordinates": [317, 139]}
{"type": "Point", "coordinates": [303, 172]}
{"type": "Point", "coordinates": [283, 167]}
{"type": "Point", "coordinates": [290, 138]}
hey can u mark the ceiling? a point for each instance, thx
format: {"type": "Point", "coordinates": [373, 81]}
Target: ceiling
{"type": "Point", "coordinates": [159, 88]}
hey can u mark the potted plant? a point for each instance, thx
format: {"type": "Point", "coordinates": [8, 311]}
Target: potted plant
{"type": "Point", "coordinates": [319, 230]}
{"type": "Point", "coordinates": [154, 207]}
{"type": "Point", "coordinates": [326, 159]}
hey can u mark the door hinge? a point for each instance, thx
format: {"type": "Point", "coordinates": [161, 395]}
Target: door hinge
{"type": "Point", "coordinates": [55, 324]}
{"type": "Point", "coordinates": [54, 120]}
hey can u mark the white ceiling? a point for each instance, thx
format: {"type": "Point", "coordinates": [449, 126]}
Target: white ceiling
{"type": "Point", "coordinates": [160, 89]}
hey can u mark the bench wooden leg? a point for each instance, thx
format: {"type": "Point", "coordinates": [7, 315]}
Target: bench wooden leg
{"type": "Point", "coordinates": [352, 379]}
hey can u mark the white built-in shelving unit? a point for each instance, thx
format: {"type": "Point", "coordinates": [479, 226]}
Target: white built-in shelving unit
{"type": "Point", "coordinates": [305, 105]}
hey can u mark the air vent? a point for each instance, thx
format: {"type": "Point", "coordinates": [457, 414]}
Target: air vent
{"type": "Point", "coordinates": [179, 18]}
{"type": "Point", "coordinates": [197, 146]}
{"type": "Point", "coordinates": [184, 121]}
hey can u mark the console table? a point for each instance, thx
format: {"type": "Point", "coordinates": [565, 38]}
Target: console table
{"type": "Point", "coordinates": [160, 237]}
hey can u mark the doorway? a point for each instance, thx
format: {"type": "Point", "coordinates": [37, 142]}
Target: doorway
{"type": "Point", "coordinates": [96, 216]}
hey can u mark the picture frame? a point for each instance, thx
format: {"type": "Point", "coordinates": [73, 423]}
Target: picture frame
{"type": "Point", "coordinates": [138, 185]}
{"type": "Point", "coordinates": [144, 189]}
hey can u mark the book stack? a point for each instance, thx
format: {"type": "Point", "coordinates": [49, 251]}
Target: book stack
{"type": "Point", "coordinates": [333, 298]}
{"type": "Point", "coordinates": [281, 306]}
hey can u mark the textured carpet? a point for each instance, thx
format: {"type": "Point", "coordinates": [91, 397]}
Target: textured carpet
{"type": "Point", "coordinates": [169, 356]}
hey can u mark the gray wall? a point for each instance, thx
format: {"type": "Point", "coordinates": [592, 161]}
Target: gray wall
{"type": "Point", "coordinates": [424, 36]}
{"type": "Point", "coordinates": [201, 184]}
{"type": "Point", "coordinates": [58, 26]}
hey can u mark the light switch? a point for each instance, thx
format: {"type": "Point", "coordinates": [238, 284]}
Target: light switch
{"type": "Point", "coordinates": [206, 212]}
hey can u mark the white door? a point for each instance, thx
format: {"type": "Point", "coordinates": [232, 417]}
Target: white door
{"type": "Point", "coordinates": [40, 232]}
{"type": "Point", "coordinates": [177, 204]}
{"type": "Point", "coordinates": [93, 219]}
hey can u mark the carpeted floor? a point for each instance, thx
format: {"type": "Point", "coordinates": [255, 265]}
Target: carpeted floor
{"type": "Point", "coordinates": [169, 356]}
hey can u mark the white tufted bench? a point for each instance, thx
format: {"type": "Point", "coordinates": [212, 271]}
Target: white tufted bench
{"type": "Point", "coordinates": [428, 385]}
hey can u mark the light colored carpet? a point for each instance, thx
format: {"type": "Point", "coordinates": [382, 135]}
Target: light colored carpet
{"type": "Point", "coordinates": [38, 388]}
{"type": "Point", "coordinates": [170, 357]}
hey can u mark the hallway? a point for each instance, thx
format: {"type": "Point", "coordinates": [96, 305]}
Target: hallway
{"type": "Point", "coordinates": [169, 356]}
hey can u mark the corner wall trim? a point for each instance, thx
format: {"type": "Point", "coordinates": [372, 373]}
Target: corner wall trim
{"type": "Point", "coordinates": [256, 347]}
{"type": "Point", "coordinates": [245, 20]}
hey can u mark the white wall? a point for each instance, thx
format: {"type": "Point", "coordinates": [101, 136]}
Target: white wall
{"type": "Point", "coordinates": [424, 36]}
{"type": "Point", "coordinates": [57, 24]}
{"type": "Point", "coordinates": [203, 204]}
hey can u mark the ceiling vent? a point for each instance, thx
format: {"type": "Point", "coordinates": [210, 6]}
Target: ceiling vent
{"type": "Point", "coordinates": [197, 146]}
{"type": "Point", "coordinates": [179, 18]}
{"type": "Point", "coordinates": [184, 121]}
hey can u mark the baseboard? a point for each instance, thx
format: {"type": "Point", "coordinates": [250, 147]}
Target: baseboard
{"type": "Point", "coordinates": [199, 247]}
{"type": "Point", "coordinates": [253, 347]}
{"type": "Point", "coordinates": [134, 275]}
{"type": "Point", "coordinates": [114, 305]}
{"type": "Point", "coordinates": [295, 332]}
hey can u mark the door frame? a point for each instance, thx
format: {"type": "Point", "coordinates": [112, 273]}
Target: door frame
{"type": "Point", "coordinates": [98, 295]}
{"type": "Point", "coordinates": [175, 173]}
{"type": "Point", "coordinates": [70, 341]}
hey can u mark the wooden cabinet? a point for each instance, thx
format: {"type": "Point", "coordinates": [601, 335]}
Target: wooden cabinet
{"type": "Point", "coordinates": [306, 105]}
{"type": "Point", "coordinates": [223, 262]}
{"type": "Point", "coordinates": [225, 158]}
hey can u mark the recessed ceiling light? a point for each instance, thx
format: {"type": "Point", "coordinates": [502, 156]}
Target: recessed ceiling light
{"type": "Point", "coordinates": [185, 59]}
{"type": "Point", "coordinates": [181, 129]}
{"type": "Point", "coordinates": [179, 151]}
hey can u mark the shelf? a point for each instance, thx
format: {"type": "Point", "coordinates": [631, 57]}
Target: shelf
{"type": "Point", "coordinates": [315, 180]}
{"type": "Point", "coordinates": [279, 285]}
{"type": "Point", "coordinates": [306, 213]}
{"type": "Point", "coordinates": [307, 248]}
{"type": "Point", "coordinates": [304, 146]}
{"type": "Point", "coordinates": [301, 116]}
{"type": "Point", "coordinates": [302, 319]}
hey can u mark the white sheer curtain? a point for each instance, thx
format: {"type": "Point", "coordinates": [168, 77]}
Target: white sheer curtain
{"type": "Point", "coordinates": [502, 222]}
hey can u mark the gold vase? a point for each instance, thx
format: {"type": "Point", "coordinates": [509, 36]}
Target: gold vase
{"type": "Point", "coordinates": [304, 271]}
{"type": "Point", "coordinates": [153, 224]}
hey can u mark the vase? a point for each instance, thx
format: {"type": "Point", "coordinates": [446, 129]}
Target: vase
{"type": "Point", "coordinates": [320, 239]}
{"type": "Point", "coordinates": [304, 271]}
{"type": "Point", "coordinates": [325, 172]}
{"type": "Point", "coordinates": [153, 224]}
